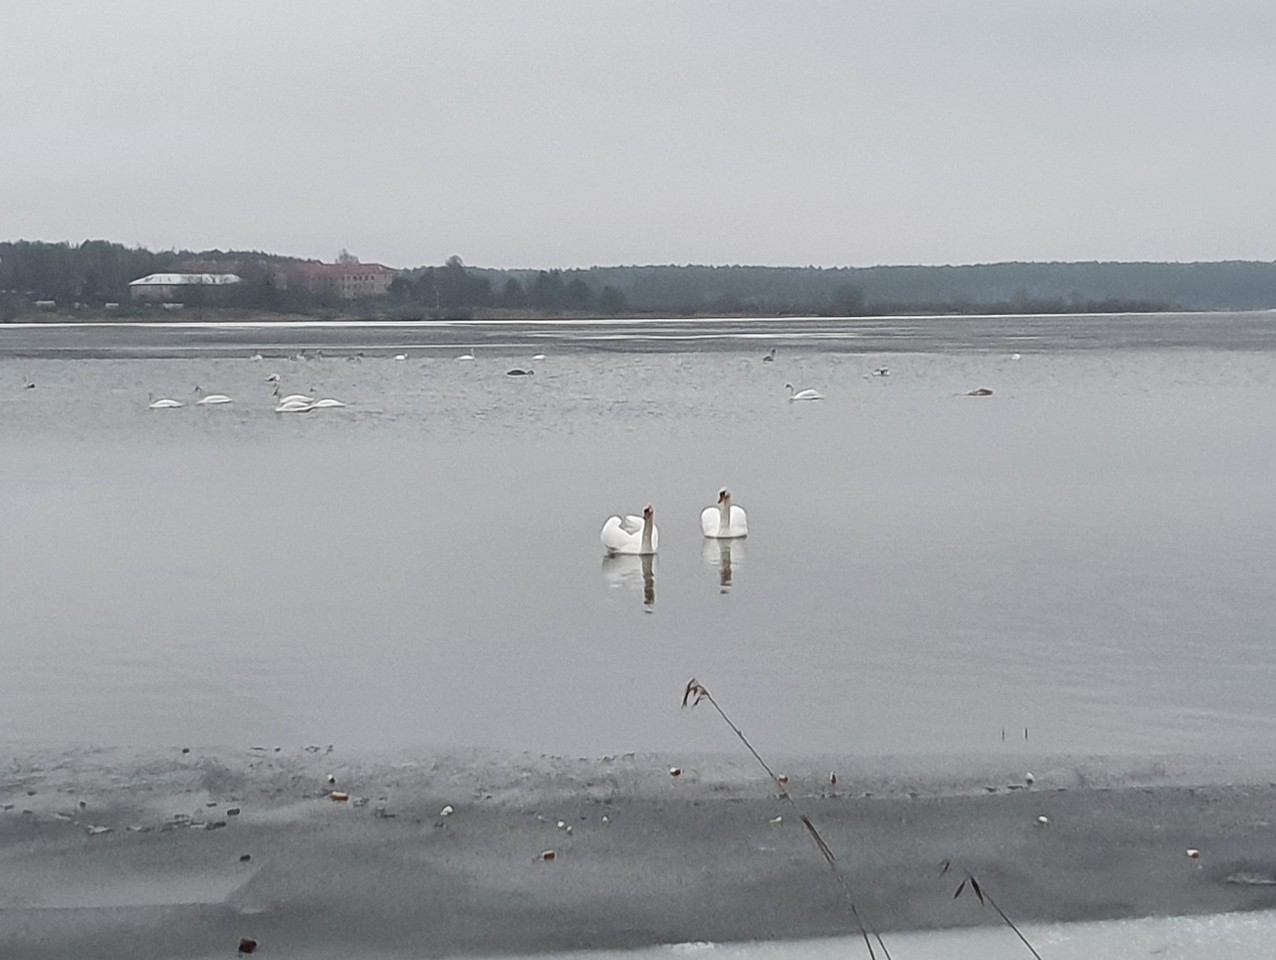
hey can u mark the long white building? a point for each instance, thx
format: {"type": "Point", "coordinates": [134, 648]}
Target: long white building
{"type": "Point", "coordinates": [174, 286]}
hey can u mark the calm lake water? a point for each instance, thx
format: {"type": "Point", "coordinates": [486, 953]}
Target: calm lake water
{"type": "Point", "coordinates": [1087, 553]}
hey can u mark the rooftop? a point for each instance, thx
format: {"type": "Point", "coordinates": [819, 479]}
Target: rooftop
{"type": "Point", "coordinates": [184, 279]}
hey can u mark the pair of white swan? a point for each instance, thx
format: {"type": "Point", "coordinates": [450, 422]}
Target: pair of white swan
{"type": "Point", "coordinates": [640, 536]}
{"type": "Point", "coordinates": [301, 402]}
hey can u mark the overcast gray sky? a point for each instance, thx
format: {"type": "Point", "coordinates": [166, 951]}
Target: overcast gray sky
{"type": "Point", "coordinates": [556, 133]}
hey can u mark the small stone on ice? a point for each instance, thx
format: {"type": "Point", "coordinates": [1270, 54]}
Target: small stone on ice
{"type": "Point", "coordinates": [1029, 779]}
{"type": "Point", "coordinates": [562, 824]}
{"type": "Point", "coordinates": [339, 796]}
{"type": "Point", "coordinates": [1193, 854]}
{"type": "Point", "coordinates": [675, 771]}
{"type": "Point", "coordinates": [548, 855]}
{"type": "Point", "coordinates": [776, 821]}
{"type": "Point", "coordinates": [1043, 820]}
{"type": "Point", "coordinates": [447, 811]}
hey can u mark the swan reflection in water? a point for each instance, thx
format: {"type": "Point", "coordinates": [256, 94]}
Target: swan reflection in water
{"type": "Point", "coordinates": [629, 570]}
{"type": "Point", "coordinates": [726, 555]}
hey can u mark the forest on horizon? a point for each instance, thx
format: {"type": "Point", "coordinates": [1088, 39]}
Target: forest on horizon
{"type": "Point", "coordinates": [83, 278]}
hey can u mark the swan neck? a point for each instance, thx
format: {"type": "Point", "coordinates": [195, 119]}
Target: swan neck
{"type": "Point", "coordinates": [646, 534]}
{"type": "Point", "coordinates": [724, 515]}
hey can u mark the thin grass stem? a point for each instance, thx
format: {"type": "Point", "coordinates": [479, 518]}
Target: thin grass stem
{"type": "Point", "coordinates": [696, 693]}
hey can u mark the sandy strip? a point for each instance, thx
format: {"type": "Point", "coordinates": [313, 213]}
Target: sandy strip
{"type": "Point", "coordinates": [117, 854]}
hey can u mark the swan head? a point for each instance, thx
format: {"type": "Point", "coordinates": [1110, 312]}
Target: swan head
{"type": "Point", "coordinates": [724, 495]}
{"type": "Point", "coordinates": [788, 387]}
{"type": "Point", "coordinates": [648, 512]}
{"type": "Point", "coordinates": [273, 378]}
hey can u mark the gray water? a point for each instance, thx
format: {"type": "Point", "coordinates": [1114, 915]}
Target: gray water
{"type": "Point", "coordinates": [1086, 555]}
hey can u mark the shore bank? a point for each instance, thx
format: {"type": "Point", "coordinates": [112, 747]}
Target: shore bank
{"type": "Point", "coordinates": [120, 854]}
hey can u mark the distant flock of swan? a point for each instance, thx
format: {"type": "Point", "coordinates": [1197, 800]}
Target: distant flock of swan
{"type": "Point", "coordinates": [304, 403]}
{"type": "Point", "coordinates": [639, 536]}
{"type": "Point", "coordinates": [292, 403]}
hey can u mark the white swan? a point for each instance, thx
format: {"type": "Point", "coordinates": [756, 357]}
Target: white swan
{"type": "Point", "coordinates": [164, 404]}
{"type": "Point", "coordinates": [538, 356]}
{"type": "Point", "coordinates": [293, 406]}
{"type": "Point", "coordinates": [632, 535]}
{"type": "Point", "coordinates": [725, 521]}
{"type": "Point", "coordinates": [291, 398]}
{"type": "Point", "coordinates": [467, 356]}
{"type": "Point", "coordinates": [400, 356]}
{"type": "Point", "coordinates": [803, 394]}
{"type": "Point", "coordinates": [209, 399]}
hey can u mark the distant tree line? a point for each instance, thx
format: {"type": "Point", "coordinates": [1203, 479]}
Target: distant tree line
{"type": "Point", "coordinates": [94, 273]}
{"type": "Point", "coordinates": [453, 287]}
{"type": "Point", "coordinates": [98, 272]}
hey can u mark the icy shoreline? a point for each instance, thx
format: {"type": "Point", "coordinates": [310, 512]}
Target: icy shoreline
{"type": "Point", "coordinates": [121, 847]}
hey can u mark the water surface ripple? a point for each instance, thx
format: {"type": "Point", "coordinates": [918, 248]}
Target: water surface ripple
{"type": "Point", "coordinates": [1085, 554]}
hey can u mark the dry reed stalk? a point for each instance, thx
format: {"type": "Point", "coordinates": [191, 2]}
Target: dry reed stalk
{"type": "Point", "coordinates": [693, 696]}
{"type": "Point", "coordinates": [986, 898]}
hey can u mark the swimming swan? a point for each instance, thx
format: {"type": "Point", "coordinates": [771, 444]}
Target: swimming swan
{"type": "Point", "coordinates": [208, 399]}
{"type": "Point", "coordinates": [803, 394]}
{"type": "Point", "coordinates": [291, 398]}
{"type": "Point", "coordinates": [725, 521]}
{"type": "Point", "coordinates": [164, 404]}
{"type": "Point", "coordinates": [631, 535]}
